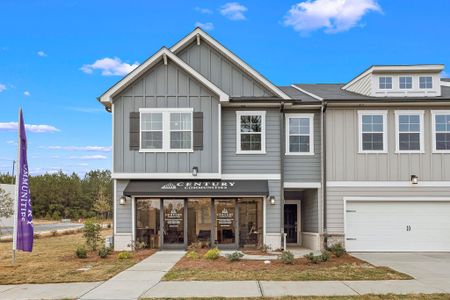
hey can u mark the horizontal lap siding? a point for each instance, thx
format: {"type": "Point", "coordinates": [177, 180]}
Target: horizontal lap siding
{"type": "Point", "coordinates": [344, 163]}
{"type": "Point", "coordinates": [221, 71]}
{"type": "Point", "coordinates": [166, 87]}
{"type": "Point", "coordinates": [233, 163]}
{"type": "Point", "coordinates": [310, 211]}
{"type": "Point", "coordinates": [305, 168]}
{"type": "Point", "coordinates": [335, 202]}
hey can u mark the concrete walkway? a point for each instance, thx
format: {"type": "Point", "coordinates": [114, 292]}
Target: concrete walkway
{"type": "Point", "coordinates": [135, 281]}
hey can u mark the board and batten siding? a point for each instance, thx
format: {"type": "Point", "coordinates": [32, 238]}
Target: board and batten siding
{"type": "Point", "coordinates": [233, 163]}
{"type": "Point", "coordinates": [305, 168]}
{"type": "Point", "coordinates": [344, 163]}
{"type": "Point", "coordinates": [335, 199]}
{"type": "Point", "coordinates": [123, 220]}
{"type": "Point", "coordinates": [221, 71]}
{"type": "Point", "coordinates": [166, 86]}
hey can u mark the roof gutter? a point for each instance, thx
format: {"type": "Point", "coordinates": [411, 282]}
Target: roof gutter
{"type": "Point", "coordinates": [323, 153]}
{"type": "Point", "coordinates": [282, 151]}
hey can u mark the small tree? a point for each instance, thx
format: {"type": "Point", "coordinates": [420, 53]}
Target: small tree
{"type": "Point", "coordinates": [91, 233]}
{"type": "Point", "coordinates": [101, 204]}
{"type": "Point", "coordinates": [6, 205]}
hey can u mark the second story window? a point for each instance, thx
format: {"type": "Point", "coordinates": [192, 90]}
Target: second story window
{"type": "Point", "coordinates": [385, 83]}
{"type": "Point", "coordinates": [405, 82]}
{"type": "Point", "coordinates": [166, 130]}
{"type": "Point", "coordinates": [372, 131]}
{"type": "Point", "coordinates": [409, 131]}
{"type": "Point", "coordinates": [441, 131]}
{"type": "Point", "coordinates": [299, 134]}
{"type": "Point", "coordinates": [250, 132]}
{"type": "Point", "coordinates": [426, 82]}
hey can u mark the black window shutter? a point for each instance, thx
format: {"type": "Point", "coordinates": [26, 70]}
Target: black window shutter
{"type": "Point", "coordinates": [134, 131]}
{"type": "Point", "coordinates": [198, 130]}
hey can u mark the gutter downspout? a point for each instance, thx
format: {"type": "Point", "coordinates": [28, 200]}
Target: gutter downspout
{"type": "Point", "coordinates": [282, 151]}
{"type": "Point", "coordinates": [324, 171]}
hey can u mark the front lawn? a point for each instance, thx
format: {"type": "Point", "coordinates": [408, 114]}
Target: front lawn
{"type": "Point", "coordinates": [53, 260]}
{"type": "Point", "coordinates": [345, 267]}
{"type": "Point", "coordinates": [361, 297]}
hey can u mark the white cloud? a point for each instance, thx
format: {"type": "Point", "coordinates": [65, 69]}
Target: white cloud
{"type": "Point", "coordinates": [332, 15]}
{"type": "Point", "coordinates": [90, 110]}
{"type": "Point", "coordinates": [26, 94]}
{"type": "Point", "coordinates": [109, 67]}
{"type": "Point", "coordinates": [208, 26]}
{"type": "Point", "coordinates": [233, 11]}
{"type": "Point", "coordinates": [89, 157]}
{"type": "Point", "coordinates": [82, 148]}
{"type": "Point", "coordinates": [29, 127]}
{"type": "Point", "coordinates": [205, 11]}
{"type": "Point", "coordinates": [2, 87]}
{"type": "Point", "coordinates": [41, 53]}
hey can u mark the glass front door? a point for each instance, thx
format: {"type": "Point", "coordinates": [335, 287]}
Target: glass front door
{"type": "Point", "coordinates": [250, 222]}
{"type": "Point", "coordinates": [199, 222]}
{"type": "Point", "coordinates": [174, 223]}
{"type": "Point", "coordinates": [290, 223]}
{"type": "Point", "coordinates": [148, 222]}
{"type": "Point", "coordinates": [225, 213]}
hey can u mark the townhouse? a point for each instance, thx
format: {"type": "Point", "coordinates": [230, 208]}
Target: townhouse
{"type": "Point", "coordinates": [207, 151]}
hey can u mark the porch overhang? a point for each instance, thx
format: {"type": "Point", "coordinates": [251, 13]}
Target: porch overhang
{"type": "Point", "coordinates": [197, 188]}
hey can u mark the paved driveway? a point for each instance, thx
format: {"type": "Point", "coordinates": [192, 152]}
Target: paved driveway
{"type": "Point", "coordinates": [432, 269]}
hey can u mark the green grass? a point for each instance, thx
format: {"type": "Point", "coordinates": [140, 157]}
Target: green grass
{"type": "Point", "coordinates": [362, 297]}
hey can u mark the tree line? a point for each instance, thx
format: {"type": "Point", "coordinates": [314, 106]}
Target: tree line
{"type": "Point", "coordinates": [62, 196]}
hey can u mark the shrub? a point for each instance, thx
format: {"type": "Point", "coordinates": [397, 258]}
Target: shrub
{"type": "Point", "coordinates": [81, 252]}
{"type": "Point", "coordinates": [287, 257]}
{"type": "Point", "coordinates": [54, 233]}
{"type": "Point", "coordinates": [192, 255]}
{"type": "Point", "coordinates": [91, 233]}
{"type": "Point", "coordinates": [125, 255]}
{"type": "Point", "coordinates": [315, 259]}
{"type": "Point", "coordinates": [136, 245]}
{"type": "Point", "coordinates": [212, 254]}
{"type": "Point", "coordinates": [337, 249]}
{"type": "Point", "coordinates": [235, 256]}
{"type": "Point", "coordinates": [325, 255]}
{"type": "Point", "coordinates": [104, 252]}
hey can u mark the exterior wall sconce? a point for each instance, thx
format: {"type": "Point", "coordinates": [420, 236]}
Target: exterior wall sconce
{"type": "Point", "coordinates": [123, 200]}
{"type": "Point", "coordinates": [194, 171]}
{"type": "Point", "coordinates": [414, 179]}
{"type": "Point", "coordinates": [272, 200]}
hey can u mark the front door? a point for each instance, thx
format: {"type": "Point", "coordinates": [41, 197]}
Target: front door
{"type": "Point", "coordinates": [225, 216]}
{"type": "Point", "coordinates": [290, 223]}
{"type": "Point", "coordinates": [174, 218]}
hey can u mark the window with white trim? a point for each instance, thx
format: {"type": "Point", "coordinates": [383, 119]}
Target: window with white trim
{"type": "Point", "coordinates": [426, 82]}
{"type": "Point", "coordinates": [166, 130]}
{"type": "Point", "coordinates": [441, 131]}
{"type": "Point", "coordinates": [250, 132]}
{"type": "Point", "coordinates": [405, 82]}
{"type": "Point", "coordinates": [300, 134]}
{"type": "Point", "coordinates": [385, 83]}
{"type": "Point", "coordinates": [372, 131]}
{"type": "Point", "coordinates": [409, 131]}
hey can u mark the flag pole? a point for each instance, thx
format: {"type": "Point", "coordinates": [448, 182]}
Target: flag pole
{"type": "Point", "coordinates": [16, 198]}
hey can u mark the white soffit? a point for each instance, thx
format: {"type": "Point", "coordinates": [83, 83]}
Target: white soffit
{"type": "Point", "coordinates": [230, 55]}
{"type": "Point", "coordinates": [162, 54]}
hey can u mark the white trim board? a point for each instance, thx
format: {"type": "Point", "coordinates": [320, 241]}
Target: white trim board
{"type": "Point", "coordinates": [388, 184]}
{"type": "Point", "coordinates": [304, 185]}
{"type": "Point", "coordinates": [162, 54]}
{"type": "Point", "coordinates": [434, 113]}
{"type": "Point", "coordinates": [199, 34]}
{"type": "Point", "coordinates": [383, 114]}
{"type": "Point", "coordinates": [421, 132]}
{"type": "Point", "coordinates": [175, 176]}
{"type": "Point", "coordinates": [251, 176]}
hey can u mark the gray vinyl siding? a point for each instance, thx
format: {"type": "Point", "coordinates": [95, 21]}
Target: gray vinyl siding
{"type": "Point", "coordinates": [221, 71]}
{"type": "Point", "coordinates": [335, 199]}
{"type": "Point", "coordinates": [123, 212]}
{"type": "Point", "coordinates": [273, 217]}
{"type": "Point", "coordinates": [344, 163]}
{"type": "Point", "coordinates": [166, 86]}
{"type": "Point", "coordinates": [310, 211]}
{"type": "Point", "coordinates": [268, 163]}
{"type": "Point", "coordinates": [305, 168]}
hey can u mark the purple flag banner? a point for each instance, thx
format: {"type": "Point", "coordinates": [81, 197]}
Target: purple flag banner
{"type": "Point", "coordinates": [24, 228]}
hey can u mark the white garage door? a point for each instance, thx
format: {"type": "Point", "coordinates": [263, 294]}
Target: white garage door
{"type": "Point", "coordinates": [397, 226]}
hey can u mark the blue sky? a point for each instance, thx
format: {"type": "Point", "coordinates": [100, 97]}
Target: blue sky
{"type": "Point", "coordinates": [56, 56]}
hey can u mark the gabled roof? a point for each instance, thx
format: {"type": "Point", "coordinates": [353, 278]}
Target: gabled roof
{"type": "Point", "coordinates": [162, 54]}
{"type": "Point", "coordinates": [198, 34]}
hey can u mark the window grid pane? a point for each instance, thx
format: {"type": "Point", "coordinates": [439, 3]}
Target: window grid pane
{"type": "Point", "coordinates": [251, 132]}
{"type": "Point", "coordinates": [409, 132]}
{"type": "Point", "coordinates": [180, 130]}
{"type": "Point", "coordinates": [425, 82]}
{"type": "Point", "coordinates": [406, 82]}
{"type": "Point", "coordinates": [299, 135]}
{"type": "Point", "coordinates": [385, 83]}
{"type": "Point", "coordinates": [151, 131]}
{"type": "Point", "coordinates": [372, 132]}
{"type": "Point", "coordinates": [442, 128]}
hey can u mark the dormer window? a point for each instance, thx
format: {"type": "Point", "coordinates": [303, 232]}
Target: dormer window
{"type": "Point", "coordinates": [405, 82]}
{"type": "Point", "coordinates": [425, 82]}
{"type": "Point", "coordinates": [385, 83]}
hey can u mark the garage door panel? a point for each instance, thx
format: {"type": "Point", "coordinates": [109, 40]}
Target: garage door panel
{"type": "Point", "coordinates": [397, 226]}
